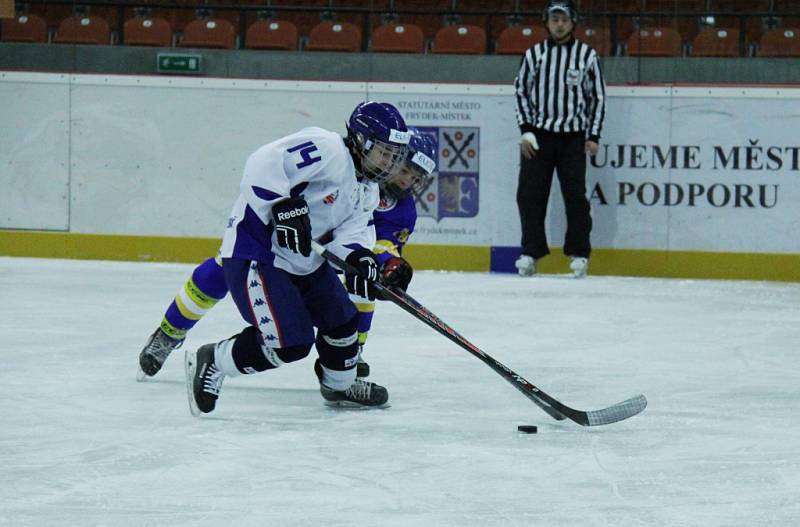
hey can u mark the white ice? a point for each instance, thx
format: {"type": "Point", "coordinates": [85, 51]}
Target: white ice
{"type": "Point", "coordinates": [82, 443]}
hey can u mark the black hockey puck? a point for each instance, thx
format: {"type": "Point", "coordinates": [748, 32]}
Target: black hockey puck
{"type": "Point", "coordinates": [528, 429]}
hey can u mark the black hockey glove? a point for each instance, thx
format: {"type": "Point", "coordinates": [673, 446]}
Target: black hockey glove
{"type": "Point", "coordinates": [360, 284]}
{"type": "Point", "coordinates": [396, 272]}
{"type": "Point", "coordinates": [292, 225]}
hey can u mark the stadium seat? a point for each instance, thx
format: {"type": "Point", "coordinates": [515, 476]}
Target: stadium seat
{"type": "Point", "coordinates": [515, 40]}
{"type": "Point", "coordinates": [177, 19]}
{"type": "Point", "coordinates": [429, 24]}
{"type": "Point", "coordinates": [780, 42]}
{"type": "Point", "coordinates": [146, 31]}
{"type": "Point", "coordinates": [272, 34]}
{"type": "Point", "coordinates": [498, 23]}
{"type": "Point", "coordinates": [23, 28]}
{"type": "Point", "coordinates": [216, 34]}
{"type": "Point", "coordinates": [597, 37]}
{"type": "Point", "coordinates": [716, 42]}
{"type": "Point", "coordinates": [655, 42]}
{"type": "Point", "coordinates": [398, 38]}
{"type": "Point", "coordinates": [108, 13]}
{"type": "Point", "coordinates": [52, 14]}
{"type": "Point", "coordinates": [304, 21]}
{"type": "Point", "coordinates": [83, 30]}
{"type": "Point", "coordinates": [334, 36]}
{"type": "Point", "coordinates": [460, 38]}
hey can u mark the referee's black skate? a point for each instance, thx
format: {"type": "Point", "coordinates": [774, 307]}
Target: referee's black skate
{"type": "Point", "coordinates": [203, 379]}
{"type": "Point", "coordinates": [360, 394]}
{"type": "Point", "coordinates": [155, 352]}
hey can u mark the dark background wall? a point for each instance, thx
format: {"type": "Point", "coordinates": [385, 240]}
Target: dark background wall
{"type": "Point", "coordinates": [490, 69]}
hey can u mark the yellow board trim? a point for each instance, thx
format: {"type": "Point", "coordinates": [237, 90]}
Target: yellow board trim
{"type": "Point", "coordinates": [448, 257]}
{"type": "Point", "coordinates": [616, 262]}
{"type": "Point", "coordinates": [39, 244]}
{"type": "Point", "coordinates": [682, 264]}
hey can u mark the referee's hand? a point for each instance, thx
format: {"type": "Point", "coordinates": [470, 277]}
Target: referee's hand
{"type": "Point", "coordinates": [591, 148]}
{"type": "Point", "coordinates": [528, 145]}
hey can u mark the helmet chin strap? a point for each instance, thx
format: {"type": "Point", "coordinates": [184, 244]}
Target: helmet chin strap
{"type": "Point", "coordinates": [352, 149]}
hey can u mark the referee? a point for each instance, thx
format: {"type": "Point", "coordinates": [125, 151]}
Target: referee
{"type": "Point", "coordinates": [560, 96]}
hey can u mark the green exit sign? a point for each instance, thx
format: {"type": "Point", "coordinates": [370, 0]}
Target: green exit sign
{"type": "Point", "coordinates": [179, 63]}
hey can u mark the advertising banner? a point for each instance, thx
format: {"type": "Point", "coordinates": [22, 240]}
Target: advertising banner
{"type": "Point", "coordinates": [679, 168]}
{"type": "Point", "coordinates": [708, 169]}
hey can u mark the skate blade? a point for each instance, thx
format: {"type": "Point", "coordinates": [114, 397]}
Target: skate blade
{"type": "Point", "coordinates": [350, 405]}
{"type": "Point", "coordinates": [141, 376]}
{"type": "Point", "coordinates": [190, 367]}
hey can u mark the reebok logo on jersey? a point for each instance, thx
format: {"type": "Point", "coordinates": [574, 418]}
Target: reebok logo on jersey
{"type": "Point", "coordinates": [293, 213]}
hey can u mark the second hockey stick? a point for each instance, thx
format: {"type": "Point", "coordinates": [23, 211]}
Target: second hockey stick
{"type": "Point", "coordinates": [552, 406]}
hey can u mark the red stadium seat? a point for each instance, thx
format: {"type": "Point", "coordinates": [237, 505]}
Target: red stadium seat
{"type": "Point", "coordinates": [304, 21]}
{"type": "Point", "coordinates": [83, 30]}
{"type": "Point", "coordinates": [272, 34]}
{"type": "Point", "coordinates": [215, 34]}
{"type": "Point", "coordinates": [515, 40]}
{"type": "Point", "coordinates": [716, 42]}
{"type": "Point", "coordinates": [461, 39]}
{"type": "Point", "coordinates": [53, 14]}
{"type": "Point", "coordinates": [655, 42]}
{"type": "Point", "coordinates": [23, 28]}
{"type": "Point", "coordinates": [466, 15]}
{"type": "Point", "coordinates": [398, 38]}
{"type": "Point", "coordinates": [146, 31]}
{"type": "Point", "coordinates": [429, 24]}
{"type": "Point", "coordinates": [597, 37]}
{"type": "Point", "coordinates": [780, 42]}
{"type": "Point", "coordinates": [334, 36]}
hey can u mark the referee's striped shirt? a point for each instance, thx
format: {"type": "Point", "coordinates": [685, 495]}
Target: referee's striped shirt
{"type": "Point", "coordinates": [560, 88]}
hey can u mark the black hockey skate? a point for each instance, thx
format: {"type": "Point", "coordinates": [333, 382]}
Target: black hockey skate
{"type": "Point", "coordinates": [155, 352]}
{"type": "Point", "coordinates": [360, 394]}
{"type": "Point", "coordinates": [203, 379]}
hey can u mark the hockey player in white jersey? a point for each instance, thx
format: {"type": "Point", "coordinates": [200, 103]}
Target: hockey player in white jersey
{"type": "Point", "coordinates": [309, 185]}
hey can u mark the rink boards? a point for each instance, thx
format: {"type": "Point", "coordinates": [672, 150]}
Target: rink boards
{"type": "Point", "coordinates": [690, 181]}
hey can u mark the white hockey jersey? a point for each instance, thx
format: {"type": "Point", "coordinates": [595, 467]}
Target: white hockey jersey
{"type": "Point", "coordinates": [312, 163]}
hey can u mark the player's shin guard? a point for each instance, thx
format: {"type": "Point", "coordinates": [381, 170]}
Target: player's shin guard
{"type": "Point", "coordinates": [338, 354]}
{"type": "Point", "coordinates": [247, 353]}
{"type": "Point", "coordinates": [198, 296]}
{"type": "Point", "coordinates": [335, 369]}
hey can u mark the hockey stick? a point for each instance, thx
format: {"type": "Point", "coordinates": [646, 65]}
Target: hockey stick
{"type": "Point", "coordinates": [553, 407]}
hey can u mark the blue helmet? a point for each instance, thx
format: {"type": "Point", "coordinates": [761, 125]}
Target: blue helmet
{"type": "Point", "coordinates": [420, 163]}
{"type": "Point", "coordinates": [378, 138]}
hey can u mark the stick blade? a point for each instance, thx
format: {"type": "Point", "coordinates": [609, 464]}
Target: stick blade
{"type": "Point", "coordinates": [618, 412]}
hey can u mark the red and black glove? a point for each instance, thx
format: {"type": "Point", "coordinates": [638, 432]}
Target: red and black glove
{"type": "Point", "coordinates": [396, 272]}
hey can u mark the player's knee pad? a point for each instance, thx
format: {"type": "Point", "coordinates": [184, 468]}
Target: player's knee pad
{"type": "Point", "coordinates": [338, 347]}
{"type": "Point", "coordinates": [293, 353]}
{"type": "Point", "coordinates": [252, 355]}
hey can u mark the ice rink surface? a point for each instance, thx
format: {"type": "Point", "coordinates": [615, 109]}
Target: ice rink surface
{"type": "Point", "coordinates": [83, 444]}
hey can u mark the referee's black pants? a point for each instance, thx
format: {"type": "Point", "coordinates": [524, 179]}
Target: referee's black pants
{"type": "Point", "coordinates": [565, 153]}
